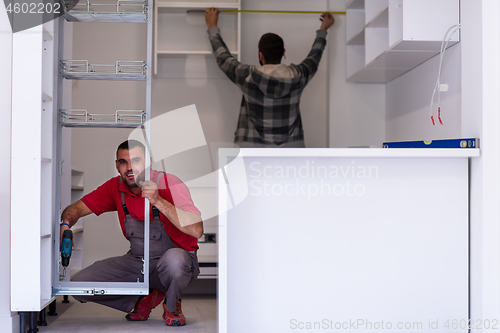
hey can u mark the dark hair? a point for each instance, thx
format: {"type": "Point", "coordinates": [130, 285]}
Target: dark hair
{"type": "Point", "coordinates": [130, 144]}
{"type": "Point", "coordinates": [272, 47]}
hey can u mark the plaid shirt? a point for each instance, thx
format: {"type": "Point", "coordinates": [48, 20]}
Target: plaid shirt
{"type": "Point", "coordinates": [270, 112]}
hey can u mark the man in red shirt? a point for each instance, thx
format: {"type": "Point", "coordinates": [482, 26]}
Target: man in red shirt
{"type": "Point", "coordinates": [174, 228]}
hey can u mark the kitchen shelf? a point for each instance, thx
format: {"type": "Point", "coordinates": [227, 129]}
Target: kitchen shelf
{"type": "Point", "coordinates": [374, 8]}
{"type": "Point", "coordinates": [381, 20]}
{"type": "Point", "coordinates": [130, 11]}
{"type": "Point", "coordinates": [46, 97]}
{"type": "Point", "coordinates": [121, 71]}
{"type": "Point", "coordinates": [183, 7]}
{"type": "Point", "coordinates": [209, 53]}
{"type": "Point", "coordinates": [357, 39]}
{"type": "Point", "coordinates": [180, 30]}
{"type": "Point", "coordinates": [47, 36]}
{"type": "Point", "coordinates": [121, 118]}
{"type": "Point", "coordinates": [355, 4]}
{"type": "Point", "coordinates": [76, 230]}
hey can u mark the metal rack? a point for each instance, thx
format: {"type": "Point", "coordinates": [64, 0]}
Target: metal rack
{"type": "Point", "coordinates": [121, 70]}
{"type": "Point", "coordinates": [121, 118]}
{"type": "Point", "coordinates": [132, 11]}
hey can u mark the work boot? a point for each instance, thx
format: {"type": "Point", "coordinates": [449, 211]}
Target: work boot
{"type": "Point", "coordinates": [144, 306]}
{"type": "Point", "coordinates": [176, 318]}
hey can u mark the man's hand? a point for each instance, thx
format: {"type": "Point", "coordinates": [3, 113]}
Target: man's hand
{"type": "Point", "coordinates": [326, 19]}
{"type": "Point", "coordinates": [187, 222]}
{"type": "Point", "coordinates": [150, 191]}
{"type": "Point", "coordinates": [71, 214]}
{"type": "Point", "coordinates": [211, 17]}
{"type": "Point", "coordinates": [61, 229]}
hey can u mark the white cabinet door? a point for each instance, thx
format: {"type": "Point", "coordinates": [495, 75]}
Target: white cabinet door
{"type": "Point", "coordinates": [33, 167]}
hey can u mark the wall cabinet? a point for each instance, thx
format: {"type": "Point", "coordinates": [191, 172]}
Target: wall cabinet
{"type": "Point", "coordinates": [387, 38]}
{"type": "Point", "coordinates": [181, 37]}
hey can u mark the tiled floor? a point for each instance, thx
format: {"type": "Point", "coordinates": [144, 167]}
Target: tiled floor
{"type": "Point", "coordinates": [200, 312]}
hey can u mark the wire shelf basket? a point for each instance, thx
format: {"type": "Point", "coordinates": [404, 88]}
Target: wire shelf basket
{"type": "Point", "coordinates": [121, 70]}
{"type": "Point", "coordinates": [121, 118]}
{"type": "Point", "coordinates": [132, 11]}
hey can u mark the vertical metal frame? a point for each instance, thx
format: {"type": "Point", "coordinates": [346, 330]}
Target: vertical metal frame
{"type": "Point", "coordinates": [223, 194]}
{"type": "Point", "coordinates": [103, 288]}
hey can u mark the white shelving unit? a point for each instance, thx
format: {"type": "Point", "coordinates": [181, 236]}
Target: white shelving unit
{"type": "Point", "coordinates": [131, 11]}
{"type": "Point", "coordinates": [114, 11]}
{"type": "Point", "coordinates": [180, 32]}
{"type": "Point", "coordinates": [387, 38]}
{"type": "Point", "coordinates": [33, 166]}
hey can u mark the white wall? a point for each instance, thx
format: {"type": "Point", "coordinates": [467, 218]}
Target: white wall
{"type": "Point", "coordinates": [480, 114]}
{"type": "Point", "coordinates": [8, 321]}
{"type": "Point", "coordinates": [408, 99]}
{"type": "Point", "coordinates": [357, 110]}
{"type": "Point", "coordinates": [469, 109]}
{"type": "Point", "coordinates": [472, 118]}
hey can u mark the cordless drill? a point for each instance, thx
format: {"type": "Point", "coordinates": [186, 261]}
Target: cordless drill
{"type": "Point", "coordinates": [66, 247]}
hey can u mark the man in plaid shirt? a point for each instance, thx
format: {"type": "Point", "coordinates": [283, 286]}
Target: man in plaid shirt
{"type": "Point", "coordinates": [270, 113]}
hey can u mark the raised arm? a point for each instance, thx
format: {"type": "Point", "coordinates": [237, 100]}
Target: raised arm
{"type": "Point", "coordinates": [234, 70]}
{"type": "Point", "coordinates": [309, 65]}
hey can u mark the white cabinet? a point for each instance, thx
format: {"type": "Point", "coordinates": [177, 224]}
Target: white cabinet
{"type": "Point", "coordinates": [180, 33]}
{"type": "Point", "coordinates": [33, 165]}
{"type": "Point", "coordinates": [387, 38]}
{"type": "Point", "coordinates": [365, 233]}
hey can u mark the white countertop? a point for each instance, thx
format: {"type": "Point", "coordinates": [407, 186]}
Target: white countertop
{"type": "Point", "coordinates": [353, 152]}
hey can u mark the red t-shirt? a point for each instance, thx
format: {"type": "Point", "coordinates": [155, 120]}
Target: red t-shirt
{"type": "Point", "coordinates": [107, 198]}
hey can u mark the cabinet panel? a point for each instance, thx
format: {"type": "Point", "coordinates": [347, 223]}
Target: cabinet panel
{"type": "Point", "coordinates": [28, 167]}
{"type": "Point", "coordinates": [188, 66]}
{"type": "Point", "coordinates": [204, 3]}
{"type": "Point", "coordinates": [401, 59]}
{"type": "Point", "coordinates": [377, 42]}
{"type": "Point", "coordinates": [427, 20]}
{"type": "Point", "coordinates": [373, 9]}
{"type": "Point", "coordinates": [356, 59]}
{"type": "Point", "coordinates": [181, 32]}
{"type": "Point", "coordinates": [185, 32]}
{"type": "Point", "coordinates": [395, 21]}
{"type": "Point", "coordinates": [417, 27]}
{"type": "Point", "coordinates": [355, 23]}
